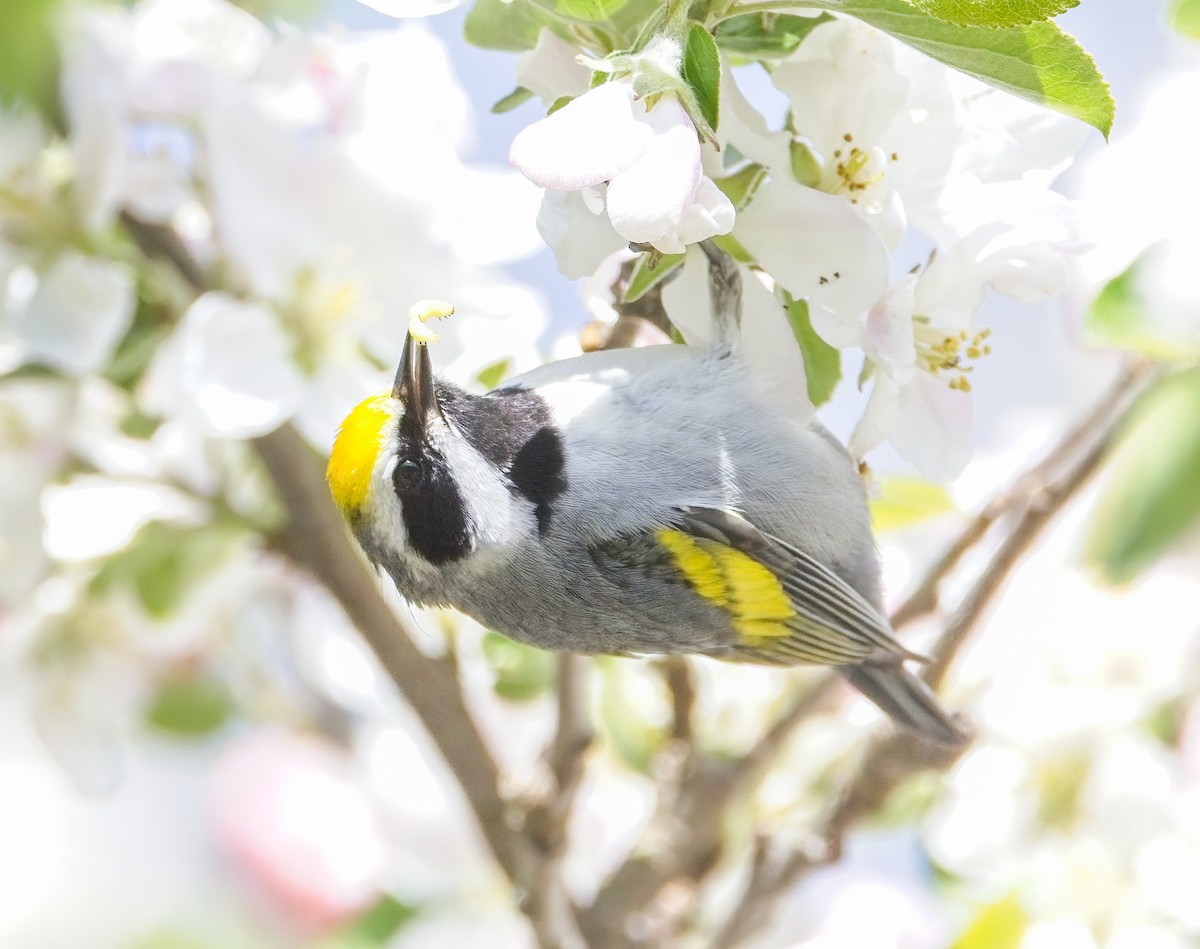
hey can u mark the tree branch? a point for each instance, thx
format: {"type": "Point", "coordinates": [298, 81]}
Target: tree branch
{"type": "Point", "coordinates": [1039, 494]}
{"type": "Point", "coordinates": [924, 599]}
{"type": "Point", "coordinates": [316, 539]}
{"type": "Point", "coordinates": [546, 821]}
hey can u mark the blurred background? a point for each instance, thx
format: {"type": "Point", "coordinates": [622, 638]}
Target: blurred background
{"type": "Point", "coordinates": [196, 749]}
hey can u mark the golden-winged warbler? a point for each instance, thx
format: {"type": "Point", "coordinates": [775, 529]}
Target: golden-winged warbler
{"type": "Point", "coordinates": [637, 501]}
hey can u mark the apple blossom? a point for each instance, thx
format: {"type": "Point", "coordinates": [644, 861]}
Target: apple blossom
{"type": "Point", "coordinates": [287, 811]}
{"type": "Point", "coordinates": [650, 157]}
{"type": "Point", "coordinates": [80, 310]}
{"type": "Point", "coordinates": [552, 69]}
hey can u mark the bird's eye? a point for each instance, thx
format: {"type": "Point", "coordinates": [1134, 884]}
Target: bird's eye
{"type": "Point", "coordinates": [408, 475]}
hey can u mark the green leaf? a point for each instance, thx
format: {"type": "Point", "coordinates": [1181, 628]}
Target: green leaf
{"type": "Point", "coordinates": [902, 502]}
{"type": "Point", "coordinates": [518, 96]}
{"type": "Point", "coordinates": [632, 737]}
{"type": "Point", "coordinates": [592, 11]}
{"type": "Point", "coordinates": [1184, 17]}
{"type": "Point", "coordinates": [645, 278]}
{"type": "Point", "coordinates": [994, 12]}
{"type": "Point", "coordinates": [511, 25]}
{"type": "Point", "coordinates": [378, 924]}
{"type": "Point", "coordinates": [740, 187]}
{"type": "Point", "coordinates": [490, 376]}
{"type": "Point", "coordinates": [1061, 781]}
{"type": "Point", "coordinates": [559, 103]}
{"type": "Point", "coordinates": [163, 561]}
{"type": "Point", "coordinates": [822, 362]}
{"type": "Point", "coordinates": [1038, 61]}
{"type": "Point", "coordinates": [138, 425]}
{"type": "Point", "coordinates": [766, 35]}
{"type": "Point", "coordinates": [1122, 316]}
{"type": "Point", "coordinates": [806, 167]}
{"type": "Point", "coordinates": [702, 72]}
{"type": "Point", "coordinates": [1152, 495]}
{"type": "Point", "coordinates": [189, 706]}
{"type": "Point", "coordinates": [29, 56]}
{"type": "Point", "coordinates": [522, 672]}
{"type": "Point", "coordinates": [1000, 925]}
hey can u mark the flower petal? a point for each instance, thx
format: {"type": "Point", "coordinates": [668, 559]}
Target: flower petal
{"type": "Point", "coordinates": [889, 324]}
{"type": "Point", "coordinates": [819, 249]}
{"type": "Point", "coordinates": [579, 237]}
{"type": "Point", "coordinates": [932, 429]}
{"type": "Point", "coordinates": [228, 368]}
{"type": "Point", "coordinates": [80, 311]}
{"type": "Point", "coordinates": [709, 214]}
{"type": "Point", "coordinates": [550, 70]}
{"type": "Point", "coordinates": [927, 422]}
{"type": "Point", "coordinates": [589, 140]}
{"type": "Point", "coordinates": [648, 199]}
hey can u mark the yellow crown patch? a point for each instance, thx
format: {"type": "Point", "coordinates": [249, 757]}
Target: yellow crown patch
{"type": "Point", "coordinates": [355, 448]}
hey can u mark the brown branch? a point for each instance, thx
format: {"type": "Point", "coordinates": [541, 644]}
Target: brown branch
{"type": "Point", "coordinates": [315, 539]}
{"type": "Point", "coordinates": [685, 838]}
{"type": "Point", "coordinates": [924, 599]}
{"type": "Point", "coordinates": [677, 673]}
{"type": "Point", "coordinates": [546, 821]}
{"type": "Point", "coordinates": [1079, 456]}
{"type": "Point", "coordinates": [889, 762]}
{"type": "Point", "coordinates": [1039, 495]}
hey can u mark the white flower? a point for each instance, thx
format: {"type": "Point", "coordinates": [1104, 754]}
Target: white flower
{"type": "Point", "coordinates": [35, 414]}
{"type": "Point", "coordinates": [1136, 208]}
{"type": "Point", "coordinates": [818, 249]}
{"type": "Point", "coordinates": [288, 811]}
{"type": "Point", "coordinates": [919, 339]}
{"type": "Point", "coordinates": [228, 368]}
{"type": "Point", "coordinates": [552, 70]}
{"type": "Point", "coordinates": [878, 118]}
{"type": "Point", "coordinates": [412, 8]}
{"type": "Point", "coordinates": [651, 159]}
{"type": "Point", "coordinates": [79, 312]}
{"type": "Point", "coordinates": [573, 223]}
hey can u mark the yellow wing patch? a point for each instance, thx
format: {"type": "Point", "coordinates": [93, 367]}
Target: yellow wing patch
{"type": "Point", "coordinates": [355, 448]}
{"type": "Point", "coordinates": [752, 595]}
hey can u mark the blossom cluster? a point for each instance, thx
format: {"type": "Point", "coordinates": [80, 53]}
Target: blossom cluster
{"type": "Point", "coordinates": [222, 237]}
{"type": "Point", "coordinates": [895, 195]}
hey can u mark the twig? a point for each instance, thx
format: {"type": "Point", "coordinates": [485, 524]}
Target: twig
{"type": "Point", "coordinates": [924, 599]}
{"type": "Point", "coordinates": [685, 838]}
{"type": "Point", "coordinates": [677, 674]}
{"type": "Point", "coordinates": [1041, 493]}
{"type": "Point", "coordinates": [315, 539]}
{"type": "Point", "coordinates": [889, 761]}
{"type": "Point", "coordinates": [1043, 499]}
{"type": "Point", "coordinates": [546, 821]}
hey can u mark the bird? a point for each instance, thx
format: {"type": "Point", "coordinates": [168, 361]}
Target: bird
{"type": "Point", "coordinates": [631, 502]}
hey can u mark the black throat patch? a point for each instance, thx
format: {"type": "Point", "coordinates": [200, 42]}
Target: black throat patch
{"type": "Point", "coordinates": [435, 516]}
{"type": "Point", "coordinates": [512, 428]}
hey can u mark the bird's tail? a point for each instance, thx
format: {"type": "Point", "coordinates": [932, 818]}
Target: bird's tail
{"type": "Point", "coordinates": [907, 700]}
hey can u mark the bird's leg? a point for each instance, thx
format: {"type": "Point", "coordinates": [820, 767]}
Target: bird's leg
{"type": "Point", "coordinates": [725, 282]}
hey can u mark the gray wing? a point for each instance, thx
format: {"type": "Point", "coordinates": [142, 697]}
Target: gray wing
{"type": "Point", "coordinates": [833, 624]}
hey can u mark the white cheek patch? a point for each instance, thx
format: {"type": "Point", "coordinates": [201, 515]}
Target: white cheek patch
{"type": "Point", "coordinates": [497, 515]}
